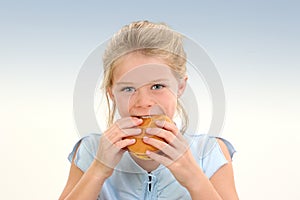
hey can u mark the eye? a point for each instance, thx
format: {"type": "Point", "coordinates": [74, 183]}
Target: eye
{"type": "Point", "coordinates": [157, 87]}
{"type": "Point", "coordinates": [128, 89]}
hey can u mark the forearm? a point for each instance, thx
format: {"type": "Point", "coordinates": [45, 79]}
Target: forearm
{"type": "Point", "coordinates": [201, 188]}
{"type": "Point", "coordinates": [90, 183]}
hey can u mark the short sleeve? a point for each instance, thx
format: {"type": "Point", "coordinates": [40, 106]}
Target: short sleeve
{"type": "Point", "coordinates": [215, 158]}
{"type": "Point", "coordinates": [208, 153]}
{"type": "Point", "coordinates": [229, 146]}
{"type": "Point", "coordinates": [86, 150]}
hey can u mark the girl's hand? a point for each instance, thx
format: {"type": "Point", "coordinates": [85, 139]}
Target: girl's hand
{"type": "Point", "coordinates": [175, 153]}
{"type": "Point", "coordinates": [113, 141]}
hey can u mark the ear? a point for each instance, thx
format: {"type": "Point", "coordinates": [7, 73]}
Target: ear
{"type": "Point", "coordinates": [181, 86]}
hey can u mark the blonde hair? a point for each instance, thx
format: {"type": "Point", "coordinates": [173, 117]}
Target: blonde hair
{"type": "Point", "coordinates": [150, 39]}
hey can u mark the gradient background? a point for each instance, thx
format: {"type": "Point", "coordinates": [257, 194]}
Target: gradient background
{"type": "Point", "coordinates": [254, 44]}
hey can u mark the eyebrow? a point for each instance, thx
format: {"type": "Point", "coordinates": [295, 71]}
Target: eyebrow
{"type": "Point", "coordinates": [124, 83]}
{"type": "Point", "coordinates": [131, 83]}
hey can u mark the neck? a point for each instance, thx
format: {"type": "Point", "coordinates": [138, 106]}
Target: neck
{"type": "Point", "coordinates": [148, 165]}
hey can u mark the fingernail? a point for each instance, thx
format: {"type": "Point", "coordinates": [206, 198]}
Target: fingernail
{"type": "Point", "coordinates": [138, 120]}
{"type": "Point", "coordinates": [160, 123]}
{"type": "Point", "coordinates": [145, 138]}
{"type": "Point", "coordinates": [148, 130]}
{"type": "Point", "coordinates": [132, 141]}
{"type": "Point", "coordinates": [138, 130]}
{"type": "Point", "coordinates": [148, 152]}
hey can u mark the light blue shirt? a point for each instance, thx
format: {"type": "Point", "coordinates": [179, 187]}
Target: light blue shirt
{"type": "Point", "coordinates": [129, 181]}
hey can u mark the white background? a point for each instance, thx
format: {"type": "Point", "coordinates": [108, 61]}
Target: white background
{"type": "Point", "coordinates": [254, 44]}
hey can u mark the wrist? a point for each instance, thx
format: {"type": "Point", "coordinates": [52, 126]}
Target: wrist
{"type": "Point", "coordinates": [100, 171]}
{"type": "Point", "coordinates": [196, 176]}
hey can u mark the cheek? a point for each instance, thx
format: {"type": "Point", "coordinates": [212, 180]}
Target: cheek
{"type": "Point", "coordinates": [122, 104]}
{"type": "Point", "coordinates": [169, 103]}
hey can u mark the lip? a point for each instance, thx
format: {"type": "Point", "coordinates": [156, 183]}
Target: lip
{"type": "Point", "coordinates": [142, 116]}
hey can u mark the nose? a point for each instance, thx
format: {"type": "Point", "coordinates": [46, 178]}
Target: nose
{"type": "Point", "coordinates": [143, 98]}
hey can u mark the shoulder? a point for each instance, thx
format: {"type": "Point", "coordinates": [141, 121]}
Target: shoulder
{"type": "Point", "coordinates": [203, 145]}
{"type": "Point", "coordinates": [84, 151]}
{"type": "Point", "coordinates": [211, 152]}
{"type": "Point", "coordinates": [91, 141]}
{"type": "Point", "coordinates": [226, 147]}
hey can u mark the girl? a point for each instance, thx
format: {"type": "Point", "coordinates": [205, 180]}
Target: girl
{"type": "Point", "coordinates": [145, 74]}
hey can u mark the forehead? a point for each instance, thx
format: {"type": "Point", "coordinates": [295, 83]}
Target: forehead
{"type": "Point", "coordinates": [137, 66]}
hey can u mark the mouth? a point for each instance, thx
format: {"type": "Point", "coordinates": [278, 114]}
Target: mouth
{"type": "Point", "coordinates": [142, 116]}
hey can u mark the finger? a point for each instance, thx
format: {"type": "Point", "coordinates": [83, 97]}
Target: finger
{"type": "Point", "coordinates": [124, 143]}
{"type": "Point", "coordinates": [173, 150]}
{"type": "Point", "coordinates": [168, 136]}
{"type": "Point", "coordinates": [168, 126]}
{"type": "Point", "coordinates": [121, 127]}
{"type": "Point", "coordinates": [119, 134]}
{"type": "Point", "coordinates": [128, 122]}
{"type": "Point", "coordinates": [161, 145]}
{"type": "Point", "coordinates": [159, 158]}
{"type": "Point", "coordinates": [131, 131]}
